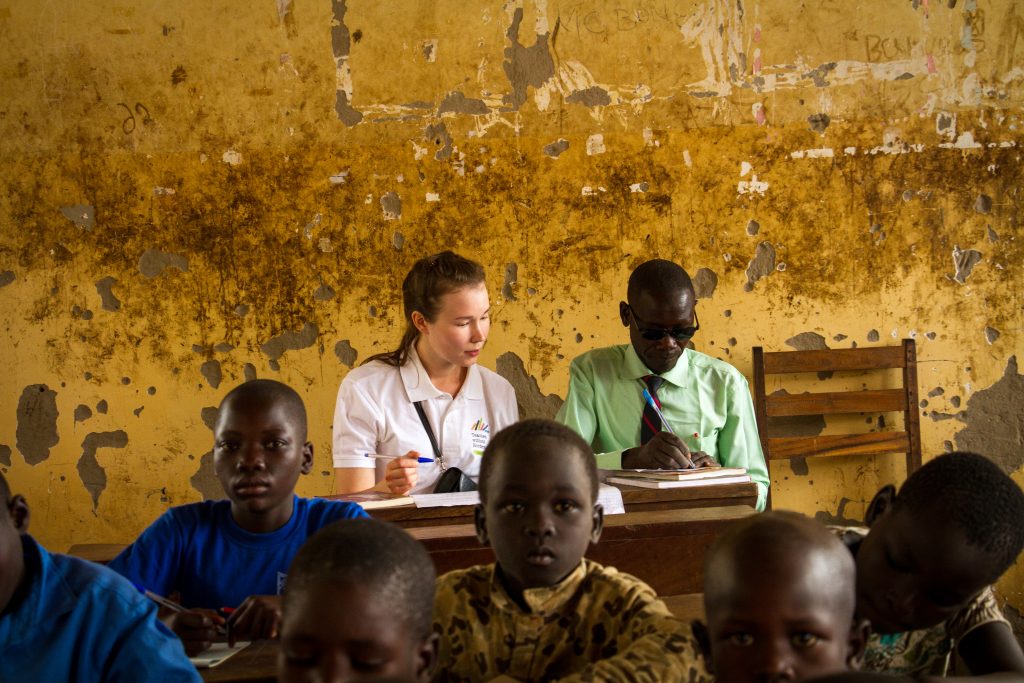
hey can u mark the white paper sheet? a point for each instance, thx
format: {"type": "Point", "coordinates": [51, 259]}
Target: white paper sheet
{"type": "Point", "coordinates": [443, 500]}
{"type": "Point", "coordinates": [611, 498]}
{"type": "Point", "coordinates": [217, 653]}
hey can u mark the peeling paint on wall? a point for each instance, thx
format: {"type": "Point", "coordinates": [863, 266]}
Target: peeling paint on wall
{"type": "Point", "coordinates": [82, 412]}
{"type": "Point", "coordinates": [211, 371]}
{"type": "Point", "coordinates": [532, 402]}
{"type": "Point", "coordinates": [964, 261]}
{"type": "Point", "coordinates": [105, 288]}
{"type": "Point", "coordinates": [704, 283]}
{"type": "Point", "coordinates": [391, 205]}
{"type": "Point", "coordinates": [92, 474]}
{"type": "Point", "coordinates": [81, 215]}
{"type": "Point", "coordinates": [507, 287]}
{"type": "Point", "coordinates": [995, 422]}
{"type": "Point", "coordinates": [37, 423]}
{"type": "Point", "coordinates": [991, 334]}
{"type": "Point", "coordinates": [6, 278]}
{"type": "Point", "coordinates": [290, 341]}
{"type": "Point", "coordinates": [525, 66]}
{"type": "Point", "coordinates": [154, 262]}
{"type": "Point", "coordinates": [341, 44]}
{"type": "Point", "coordinates": [762, 265]}
{"type": "Point", "coordinates": [345, 353]}
{"type": "Point", "coordinates": [209, 417]}
{"type": "Point", "coordinates": [556, 148]}
{"type": "Point", "coordinates": [458, 103]}
{"type": "Point", "coordinates": [324, 293]}
{"type": "Point", "coordinates": [807, 341]}
{"type": "Point", "coordinates": [205, 479]}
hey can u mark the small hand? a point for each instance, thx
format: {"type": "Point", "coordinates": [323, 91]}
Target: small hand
{"type": "Point", "coordinates": [665, 451]}
{"type": "Point", "coordinates": [702, 459]}
{"type": "Point", "coordinates": [197, 628]}
{"type": "Point", "coordinates": [257, 618]}
{"type": "Point", "coordinates": [402, 473]}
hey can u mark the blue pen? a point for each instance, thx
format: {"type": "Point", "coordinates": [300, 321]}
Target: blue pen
{"type": "Point", "coordinates": [392, 457]}
{"type": "Point", "coordinates": [654, 404]}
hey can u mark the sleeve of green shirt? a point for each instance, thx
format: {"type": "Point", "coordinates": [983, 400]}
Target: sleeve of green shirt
{"type": "Point", "coordinates": [578, 412]}
{"type": "Point", "coordinates": [738, 442]}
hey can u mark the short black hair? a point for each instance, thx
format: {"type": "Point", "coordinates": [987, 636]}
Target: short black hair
{"type": "Point", "coordinates": [380, 557]}
{"type": "Point", "coordinates": [268, 392]}
{"type": "Point", "coordinates": [970, 491]}
{"type": "Point", "coordinates": [658, 276]}
{"type": "Point", "coordinates": [513, 436]}
{"type": "Point", "coordinates": [764, 539]}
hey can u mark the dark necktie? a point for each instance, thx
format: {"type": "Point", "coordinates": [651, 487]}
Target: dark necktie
{"type": "Point", "coordinates": [650, 424]}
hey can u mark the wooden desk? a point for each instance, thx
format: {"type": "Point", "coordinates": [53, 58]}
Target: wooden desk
{"type": "Point", "coordinates": [258, 662]}
{"type": "Point", "coordinates": [634, 498]}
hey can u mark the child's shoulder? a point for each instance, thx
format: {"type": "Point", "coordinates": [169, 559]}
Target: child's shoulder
{"type": "Point", "coordinates": [610, 582]}
{"type": "Point", "coordinates": [466, 583]}
{"type": "Point", "coordinates": [203, 513]}
{"type": "Point", "coordinates": [320, 512]}
{"type": "Point", "coordinates": [98, 588]}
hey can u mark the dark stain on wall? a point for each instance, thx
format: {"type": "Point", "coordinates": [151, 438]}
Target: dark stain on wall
{"type": "Point", "coordinates": [82, 412]}
{"type": "Point", "coordinates": [594, 96]}
{"type": "Point", "coordinates": [839, 518]}
{"type": "Point", "coordinates": [458, 103]}
{"type": "Point", "coordinates": [37, 423]}
{"type": "Point", "coordinates": [92, 474]}
{"type": "Point", "coordinates": [964, 261]}
{"type": "Point", "coordinates": [532, 403]}
{"type": "Point", "coordinates": [438, 136]}
{"type": "Point", "coordinates": [209, 417]}
{"type": "Point", "coordinates": [289, 341]}
{"type": "Point", "coordinates": [6, 278]}
{"type": "Point", "coordinates": [81, 215]}
{"type": "Point", "coordinates": [205, 479]}
{"type": "Point", "coordinates": [807, 341]}
{"type": "Point", "coordinates": [324, 293]}
{"type": "Point", "coordinates": [525, 66]}
{"type": "Point", "coordinates": [762, 265]}
{"type": "Point", "coordinates": [555, 149]}
{"type": "Point", "coordinates": [995, 421]}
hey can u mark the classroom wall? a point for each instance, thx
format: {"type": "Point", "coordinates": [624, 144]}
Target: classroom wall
{"type": "Point", "coordinates": [200, 192]}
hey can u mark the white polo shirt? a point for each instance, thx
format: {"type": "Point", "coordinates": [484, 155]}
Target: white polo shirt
{"type": "Point", "coordinates": [375, 414]}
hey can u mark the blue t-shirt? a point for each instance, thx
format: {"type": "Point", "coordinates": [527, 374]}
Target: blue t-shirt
{"type": "Point", "coordinates": [81, 622]}
{"type": "Point", "coordinates": [199, 551]}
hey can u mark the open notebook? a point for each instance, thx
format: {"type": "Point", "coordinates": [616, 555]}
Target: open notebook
{"type": "Point", "coordinates": [217, 653]}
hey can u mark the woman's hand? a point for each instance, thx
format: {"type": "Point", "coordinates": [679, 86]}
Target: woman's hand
{"type": "Point", "coordinates": [402, 473]}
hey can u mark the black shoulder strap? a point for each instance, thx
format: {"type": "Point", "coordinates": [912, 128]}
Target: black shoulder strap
{"type": "Point", "coordinates": [430, 433]}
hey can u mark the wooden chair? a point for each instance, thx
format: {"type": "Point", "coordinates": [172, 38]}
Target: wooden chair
{"type": "Point", "coordinates": [903, 399]}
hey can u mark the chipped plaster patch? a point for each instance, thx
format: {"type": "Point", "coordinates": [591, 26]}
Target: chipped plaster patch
{"type": "Point", "coordinates": [232, 157]}
{"type": "Point", "coordinates": [511, 276]}
{"type": "Point", "coordinates": [289, 341]}
{"type": "Point", "coordinates": [92, 474]}
{"type": "Point", "coordinates": [81, 215]}
{"type": "Point", "coordinates": [339, 178]}
{"type": "Point", "coordinates": [807, 341]}
{"type": "Point", "coordinates": [211, 371]}
{"type": "Point", "coordinates": [37, 423]}
{"type": "Point", "coordinates": [595, 144]}
{"type": "Point", "coordinates": [752, 186]}
{"type": "Point", "coordinates": [105, 288]}
{"type": "Point", "coordinates": [458, 103]}
{"type": "Point", "coordinates": [438, 135]}
{"type": "Point", "coordinates": [532, 403]}
{"type": "Point", "coordinates": [994, 421]}
{"type": "Point", "coordinates": [594, 96]}
{"type": "Point", "coordinates": [82, 412]}
{"type": "Point", "coordinates": [324, 293]}
{"type": "Point", "coordinates": [7, 277]}
{"type": "Point", "coordinates": [205, 479]}
{"type": "Point", "coordinates": [964, 141]}
{"type": "Point", "coordinates": [154, 262]}
{"type": "Point", "coordinates": [432, 197]}
{"type": "Point", "coordinates": [525, 67]}
{"type": "Point", "coordinates": [391, 205]}
{"type": "Point", "coordinates": [991, 334]}
{"type": "Point", "coordinates": [704, 283]}
{"type": "Point", "coordinates": [555, 149]}
{"type": "Point", "coordinates": [346, 353]}
{"type": "Point", "coordinates": [639, 187]}
{"type": "Point", "coordinates": [964, 261]}
{"type": "Point", "coordinates": [762, 265]}
{"type": "Point", "coordinates": [820, 153]}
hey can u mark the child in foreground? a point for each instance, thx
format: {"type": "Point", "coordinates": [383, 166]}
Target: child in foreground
{"type": "Point", "coordinates": [358, 606]}
{"type": "Point", "coordinates": [65, 619]}
{"type": "Point", "coordinates": [926, 565]}
{"type": "Point", "coordinates": [235, 553]}
{"type": "Point", "coordinates": [542, 612]}
{"type": "Point", "coordinates": [779, 599]}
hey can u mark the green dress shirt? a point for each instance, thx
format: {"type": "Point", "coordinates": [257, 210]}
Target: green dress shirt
{"type": "Point", "coordinates": [707, 402]}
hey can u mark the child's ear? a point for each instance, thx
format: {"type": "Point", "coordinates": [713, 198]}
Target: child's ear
{"type": "Point", "coordinates": [880, 504]}
{"type": "Point", "coordinates": [480, 520]}
{"type": "Point", "coordinates": [18, 509]}
{"type": "Point", "coordinates": [307, 457]}
{"type": "Point", "coordinates": [426, 657]}
{"type": "Point", "coordinates": [598, 523]}
{"type": "Point", "coordinates": [700, 634]}
{"type": "Point", "coordinates": [624, 313]}
{"type": "Point", "coordinates": [858, 642]}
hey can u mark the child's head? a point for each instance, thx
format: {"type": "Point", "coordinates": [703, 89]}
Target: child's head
{"type": "Point", "coordinates": [427, 295]}
{"type": "Point", "coordinates": [538, 502]}
{"type": "Point", "coordinates": [779, 599]}
{"type": "Point", "coordinates": [358, 605]}
{"type": "Point", "coordinates": [953, 529]}
{"type": "Point", "coordinates": [260, 449]}
{"type": "Point", "coordinates": [13, 523]}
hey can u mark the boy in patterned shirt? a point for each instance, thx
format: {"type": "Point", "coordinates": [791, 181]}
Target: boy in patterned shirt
{"type": "Point", "coordinates": [926, 565]}
{"type": "Point", "coordinates": [542, 612]}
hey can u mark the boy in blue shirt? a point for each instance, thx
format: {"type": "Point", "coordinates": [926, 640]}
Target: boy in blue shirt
{"type": "Point", "coordinates": [65, 619]}
{"type": "Point", "coordinates": [235, 553]}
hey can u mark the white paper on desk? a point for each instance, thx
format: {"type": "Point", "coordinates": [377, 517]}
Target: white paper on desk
{"type": "Point", "coordinates": [444, 500]}
{"type": "Point", "coordinates": [217, 653]}
{"type": "Point", "coordinates": [611, 498]}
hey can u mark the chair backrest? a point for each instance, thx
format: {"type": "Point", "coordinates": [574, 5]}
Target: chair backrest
{"type": "Point", "coordinates": [902, 400]}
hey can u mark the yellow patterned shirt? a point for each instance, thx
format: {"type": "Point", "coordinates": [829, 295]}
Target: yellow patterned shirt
{"type": "Point", "coordinates": [595, 625]}
{"type": "Point", "coordinates": [925, 651]}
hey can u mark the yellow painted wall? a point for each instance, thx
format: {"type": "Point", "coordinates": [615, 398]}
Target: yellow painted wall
{"type": "Point", "coordinates": [197, 192]}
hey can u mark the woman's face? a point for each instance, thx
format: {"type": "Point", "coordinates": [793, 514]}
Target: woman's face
{"type": "Point", "coordinates": [457, 334]}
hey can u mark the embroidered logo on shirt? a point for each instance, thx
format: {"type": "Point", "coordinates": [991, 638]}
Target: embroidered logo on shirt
{"type": "Point", "coordinates": [282, 578]}
{"type": "Point", "coordinates": [480, 433]}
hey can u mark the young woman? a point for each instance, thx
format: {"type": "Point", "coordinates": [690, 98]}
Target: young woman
{"type": "Point", "coordinates": [447, 314]}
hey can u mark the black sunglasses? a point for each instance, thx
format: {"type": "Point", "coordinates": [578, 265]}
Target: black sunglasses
{"type": "Point", "coordinates": [658, 333]}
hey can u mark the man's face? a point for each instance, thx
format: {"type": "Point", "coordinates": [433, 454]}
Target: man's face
{"type": "Point", "coordinates": [652, 313]}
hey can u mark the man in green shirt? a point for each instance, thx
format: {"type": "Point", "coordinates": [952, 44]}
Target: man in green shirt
{"type": "Point", "coordinates": [705, 401]}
